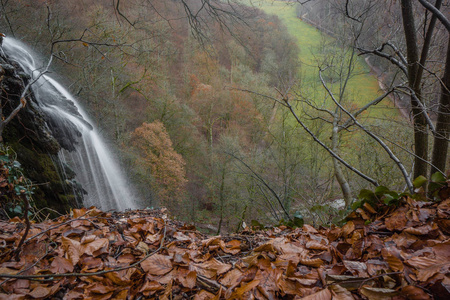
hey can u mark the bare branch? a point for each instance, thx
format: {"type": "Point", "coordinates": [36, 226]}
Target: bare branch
{"type": "Point", "coordinates": [379, 52]}
{"type": "Point", "coordinates": [422, 107]}
{"type": "Point", "coordinates": [435, 11]}
{"type": "Point", "coordinates": [315, 138]}
{"type": "Point", "coordinates": [376, 138]}
{"type": "Point", "coordinates": [350, 122]}
{"type": "Point", "coordinates": [263, 182]}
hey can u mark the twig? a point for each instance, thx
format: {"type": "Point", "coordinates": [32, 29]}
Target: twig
{"type": "Point", "coordinates": [27, 223]}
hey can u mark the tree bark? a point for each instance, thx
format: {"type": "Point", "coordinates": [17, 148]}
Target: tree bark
{"type": "Point", "coordinates": [343, 183]}
{"type": "Point", "coordinates": [440, 148]}
{"type": "Point", "coordinates": [419, 120]}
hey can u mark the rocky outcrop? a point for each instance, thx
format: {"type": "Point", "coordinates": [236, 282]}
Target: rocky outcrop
{"type": "Point", "coordinates": [35, 143]}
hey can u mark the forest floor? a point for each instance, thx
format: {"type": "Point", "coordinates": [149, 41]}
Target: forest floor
{"type": "Point", "coordinates": [383, 252]}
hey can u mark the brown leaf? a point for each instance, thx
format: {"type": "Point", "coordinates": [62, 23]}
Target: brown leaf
{"type": "Point", "coordinates": [204, 295]}
{"type": "Point", "coordinates": [121, 278]}
{"type": "Point", "coordinates": [191, 280]}
{"type": "Point", "coordinates": [397, 221]}
{"type": "Point", "coordinates": [151, 286]}
{"type": "Point", "coordinates": [315, 262]}
{"type": "Point", "coordinates": [348, 228]}
{"type": "Point", "coordinates": [340, 293]}
{"type": "Point", "coordinates": [378, 293]}
{"type": "Point", "coordinates": [43, 292]}
{"type": "Point", "coordinates": [239, 292]}
{"type": "Point", "coordinates": [324, 294]}
{"type": "Point", "coordinates": [349, 282]}
{"type": "Point", "coordinates": [181, 236]}
{"type": "Point", "coordinates": [422, 230]}
{"type": "Point", "coordinates": [315, 245]}
{"type": "Point", "coordinates": [414, 293]}
{"type": "Point", "coordinates": [268, 247]}
{"type": "Point", "coordinates": [231, 278]}
{"type": "Point", "coordinates": [394, 262]}
{"type": "Point", "coordinates": [369, 208]}
{"type": "Point", "coordinates": [98, 288]}
{"type": "Point", "coordinates": [157, 264]}
{"type": "Point", "coordinates": [232, 247]}
{"type": "Point", "coordinates": [356, 267]}
{"type": "Point", "coordinates": [96, 245]}
{"type": "Point", "coordinates": [210, 268]}
{"type": "Point", "coordinates": [79, 212]}
{"type": "Point", "coordinates": [61, 265]}
{"type": "Point", "coordinates": [442, 267]}
{"type": "Point", "coordinates": [73, 249]}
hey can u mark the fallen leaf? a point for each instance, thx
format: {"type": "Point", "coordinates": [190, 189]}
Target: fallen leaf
{"type": "Point", "coordinates": [378, 293]}
{"type": "Point", "coordinates": [340, 293]}
{"type": "Point", "coordinates": [239, 292]}
{"type": "Point", "coordinates": [157, 264]}
{"type": "Point", "coordinates": [414, 293]}
{"type": "Point", "coordinates": [61, 265]}
{"type": "Point", "coordinates": [324, 294]}
{"type": "Point", "coordinates": [73, 249]}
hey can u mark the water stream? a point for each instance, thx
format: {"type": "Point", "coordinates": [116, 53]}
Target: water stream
{"type": "Point", "coordinates": [97, 171]}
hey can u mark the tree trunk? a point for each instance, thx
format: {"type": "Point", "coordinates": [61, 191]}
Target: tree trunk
{"type": "Point", "coordinates": [419, 120]}
{"type": "Point", "coordinates": [343, 183]}
{"type": "Point", "coordinates": [440, 148]}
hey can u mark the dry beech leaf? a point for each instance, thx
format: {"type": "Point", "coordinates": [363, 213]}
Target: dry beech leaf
{"type": "Point", "coordinates": [324, 294]}
{"type": "Point", "coordinates": [265, 247]}
{"type": "Point", "coordinates": [340, 293]}
{"type": "Point", "coordinates": [315, 245]}
{"type": "Point", "coordinates": [359, 267]}
{"type": "Point", "coordinates": [394, 263]}
{"type": "Point", "coordinates": [239, 292]}
{"type": "Point", "coordinates": [151, 286]}
{"type": "Point", "coordinates": [397, 221]}
{"type": "Point", "coordinates": [314, 262]}
{"type": "Point", "coordinates": [349, 282]}
{"type": "Point", "coordinates": [203, 295]}
{"type": "Point", "coordinates": [414, 293]}
{"type": "Point", "coordinates": [61, 265]}
{"type": "Point", "coordinates": [309, 229]}
{"type": "Point", "coordinates": [231, 278]}
{"type": "Point", "coordinates": [378, 293]}
{"type": "Point", "coordinates": [232, 247]}
{"type": "Point", "coordinates": [73, 249]}
{"type": "Point", "coordinates": [443, 267]}
{"type": "Point", "coordinates": [191, 279]}
{"type": "Point", "coordinates": [181, 236]}
{"type": "Point", "coordinates": [43, 292]}
{"type": "Point", "coordinates": [363, 214]}
{"type": "Point", "coordinates": [369, 208]}
{"type": "Point", "coordinates": [95, 246]}
{"type": "Point", "coordinates": [167, 292]}
{"type": "Point", "coordinates": [157, 264]}
{"type": "Point", "coordinates": [423, 230]}
{"type": "Point", "coordinates": [422, 262]}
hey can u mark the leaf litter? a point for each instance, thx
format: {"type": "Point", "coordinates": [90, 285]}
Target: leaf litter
{"type": "Point", "coordinates": [381, 252]}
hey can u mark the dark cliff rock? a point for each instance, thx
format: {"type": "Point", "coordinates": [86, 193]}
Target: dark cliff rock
{"type": "Point", "coordinates": [35, 143]}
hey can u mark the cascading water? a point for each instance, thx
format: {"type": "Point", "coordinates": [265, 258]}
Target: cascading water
{"type": "Point", "coordinates": [96, 171]}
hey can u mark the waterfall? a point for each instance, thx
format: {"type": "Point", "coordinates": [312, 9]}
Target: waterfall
{"type": "Point", "coordinates": [96, 170]}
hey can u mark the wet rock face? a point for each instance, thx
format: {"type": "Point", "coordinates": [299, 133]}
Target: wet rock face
{"type": "Point", "coordinates": [29, 134]}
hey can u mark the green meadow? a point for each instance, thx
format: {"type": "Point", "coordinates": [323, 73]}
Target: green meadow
{"type": "Point", "coordinates": [314, 46]}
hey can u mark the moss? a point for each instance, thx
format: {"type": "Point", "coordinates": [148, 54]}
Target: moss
{"type": "Point", "coordinates": [49, 189]}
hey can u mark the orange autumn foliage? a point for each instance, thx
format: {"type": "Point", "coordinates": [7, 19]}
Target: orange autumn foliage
{"type": "Point", "coordinates": [165, 164]}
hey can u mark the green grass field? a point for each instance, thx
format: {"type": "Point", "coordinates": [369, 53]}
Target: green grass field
{"type": "Point", "coordinates": [362, 87]}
